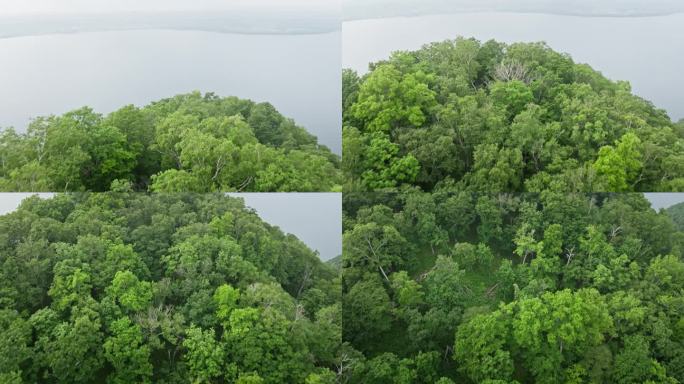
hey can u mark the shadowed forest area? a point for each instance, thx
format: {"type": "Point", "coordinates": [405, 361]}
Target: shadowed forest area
{"type": "Point", "coordinates": [676, 212]}
{"type": "Point", "coordinates": [455, 287]}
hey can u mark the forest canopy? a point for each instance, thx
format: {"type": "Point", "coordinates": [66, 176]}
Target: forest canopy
{"type": "Point", "coordinates": [456, 287]}
{"type": "Point", "coordinates": [161, 288]}
{"type": "Point", "coordinates": [505, 118]}
{"type": "Point", "coordinates": [187, 143]}
{"type": "Point", "coordinates": [676, 212]}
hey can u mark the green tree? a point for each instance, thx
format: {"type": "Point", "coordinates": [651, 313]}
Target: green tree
{"type": "Point", "coordinates": [472, 256]}
{"type": "Point", "coordinates": [388, 99]}
{"type": "Point", "coordinates": [72, 352]}
{"type": "Point", "coordinates": [132, 294]}
{"type": "Point", "coordinates": [511, 95]}
{"type": "Point", "coordinates": [266, 123]}
{"type": "Point", "coordinates": [127, 353]}
{"type": "Point", "coordinates": [619, 166]}
{"type": "Point", "coordinates": [261, 341]}
{"type": "Point", "coordinates": [205, 357]}
{"type": "Point", "coordinates": [408, 293]}
{"type": "Point", "coordinates": [634, 364]}
{"type": "Point", "coordinates": [504, 117]}
{"type": "Point", "coordinates": [226, 298]}
{"type": "Point", "coordinates": [558, 324]}
{"type": "Point", "coordinates": [384, 168]}
{"type": "Point", "coordinates": [123, 287]}
{"type": "Point", "coordinates": [366, 310]}
{"type": "Point", "coordinates": [480, 348]}
{"type": "Point", "coordinates": [15, 351]}
{"type": "Point", "coordinates": [444, 285]}
{"type": "Point", "coordinates": [378, 247]}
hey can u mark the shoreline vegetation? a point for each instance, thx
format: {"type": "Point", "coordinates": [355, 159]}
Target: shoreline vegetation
{"type": "Point", "coordinates": [187, 143]}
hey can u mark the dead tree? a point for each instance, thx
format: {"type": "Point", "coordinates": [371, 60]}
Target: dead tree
{"type": "Point", "coordinates": [569, 254]}
{"type": "Point", "coordinates": [510, 70]}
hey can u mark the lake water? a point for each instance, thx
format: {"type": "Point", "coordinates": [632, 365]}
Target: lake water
{"type": "Point", "coordinates": [646, 51]}
{"type": "Point", "coordinates": [52, 74]}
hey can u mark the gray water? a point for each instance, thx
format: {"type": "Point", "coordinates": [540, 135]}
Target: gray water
{"type": "Point", "coordinates": [52, 74]}
{"type": "Point", "coordinates": [646, 51]}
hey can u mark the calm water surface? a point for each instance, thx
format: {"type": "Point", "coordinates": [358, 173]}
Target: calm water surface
{"type": "Point", "coordinates": [52, 74]}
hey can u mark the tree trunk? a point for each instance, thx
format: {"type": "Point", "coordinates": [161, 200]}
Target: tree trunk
{"type": "Point", "coordinates": [383, 273]}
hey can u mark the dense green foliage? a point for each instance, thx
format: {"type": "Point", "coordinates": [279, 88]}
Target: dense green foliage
{"type": "Point", "coordinates": [187, 143]}
{"type": "Point", "coordinates": [676, 212]}
{"type": "Point", "coordinates": [503, 118]}
{"type": "Point", "coordinates": [511, 288]}
{"type": "Point", "coordinates": [162, 288]}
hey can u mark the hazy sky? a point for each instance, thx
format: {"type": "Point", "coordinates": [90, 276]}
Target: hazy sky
{"type": "Point", "coordinates": [10, 201]}
{"type": "Point", "coordinates": [315, 218]}
{"type": "Point", "coordinates": [104, 6]}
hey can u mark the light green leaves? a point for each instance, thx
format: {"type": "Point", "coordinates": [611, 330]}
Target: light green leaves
{"type": "Point", "coordinates": [388, 99]}
{"type": "Point", "coordinates": [132, 294]}
{"type": "Point", "coordinates": [619, 166]}
{"type": "Point", "coordinates": [205, 357]}
{"type": "Point", "coordinates": [126, 351]}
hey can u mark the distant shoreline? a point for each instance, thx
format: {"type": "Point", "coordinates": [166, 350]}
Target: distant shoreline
{"type": "Point", "coordinates": [353, 18]}
{"type": "Point", "coordinates": [140, 29]}
{"type": "Point", "coordinates": [228, 22]}
{"type": "Point", "coordinates": [233, 23]}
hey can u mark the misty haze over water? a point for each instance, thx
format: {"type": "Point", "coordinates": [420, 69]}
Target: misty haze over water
{"type": "Point", "coordinates": [646, 51]}
{"type": "Point", "coordinates": [242, 21]}
{"type": "Point", "coordinates": [51, 74]}
{"type": "Point", "coordinates": [369, 9]}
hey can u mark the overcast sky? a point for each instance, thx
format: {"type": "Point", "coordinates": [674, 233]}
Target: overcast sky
{"type": "Point", "coordinates": [664, 200]}
{"type": "Point", "coordinates": [8, 7]}
{"type": "Point", "coordinates": [315, 218]}
{"type": "Point", "coordinates": [10, 201]}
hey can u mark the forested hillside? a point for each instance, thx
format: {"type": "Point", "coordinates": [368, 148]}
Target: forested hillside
{"type": "Point", "coordinates": [454, 287]}
{"type": "Point", "coordinates": [497, 117]}
{"type": "Point", "coordinates": [187, 143]}
{"type": "Point", "coordinates": [676, 212]}
{"type": "Point", "coordinates": [161, 288]}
